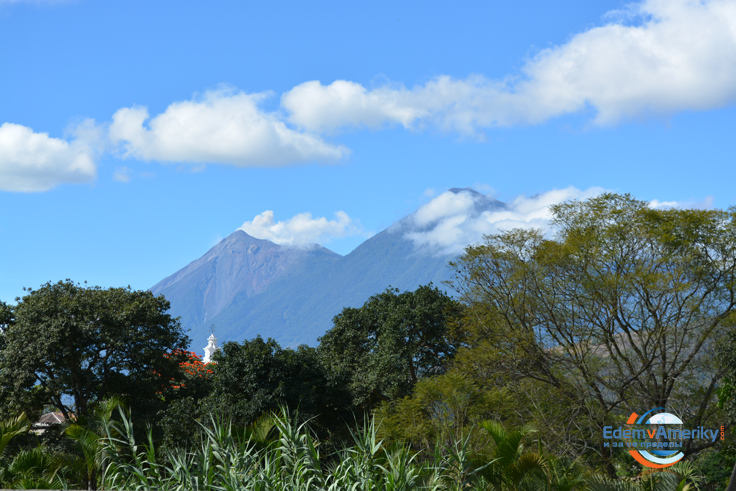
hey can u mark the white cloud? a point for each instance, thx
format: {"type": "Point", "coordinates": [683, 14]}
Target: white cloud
{"type": "Point", "coordinates": [703, 204]}
{"type": "Point", "coordinates": [222, 127]}
{"type": "Point", "coordinates": [654, 58]}
{"type": "Point", "coordinates": [31, 162]}
{"type": "Point", "coordinates": [301, 229]}
{"type": "Point", "coordinates": [343, 103]}
{"type": "Point", "coordinates": [681, 56]}
{"type": "Point", "coordinates": [656, 204]}
{"type": "Point", "coordinates": [447, 204]}
{"type": "Point", "coordinates": [451, 221]}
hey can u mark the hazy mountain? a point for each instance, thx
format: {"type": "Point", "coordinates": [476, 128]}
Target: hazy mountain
{"type": "Point", "coordinates": [237, 265]}
{"type": "Point", "coordinates": [247, 286]}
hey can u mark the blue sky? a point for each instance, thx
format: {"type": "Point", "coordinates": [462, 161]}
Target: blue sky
{"type": "Point", "coordinates": [136, 134]}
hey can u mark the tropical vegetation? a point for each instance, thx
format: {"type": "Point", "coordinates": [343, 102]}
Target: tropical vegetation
{"type": "Point", "coordinates": [506, 386]}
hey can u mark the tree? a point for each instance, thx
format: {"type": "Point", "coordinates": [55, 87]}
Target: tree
{"type": "Point", "coordinates": [6, 320]}
{"type": "Point", "coordinates": [442, 410]}
{"type": "Point", "coordinates": [258, 377]}
{"type": "Point", "coordinates": [727, 397]}
{"type": "Point", "coordinates": [391, 342]}
{"type": "Point", "coordinates": [621, 311]}
{"type": "Point", "coordinates": [75, 346]}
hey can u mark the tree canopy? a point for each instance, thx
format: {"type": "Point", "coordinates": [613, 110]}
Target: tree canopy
{"type": "Point", "coordinates": [72, 346]}
{"type": "Point", "coordinates": [257, 376]}
{"type": "Point", "coordinates": [391, 342]}
{"type": "Point", "coordinates": [621, 310]}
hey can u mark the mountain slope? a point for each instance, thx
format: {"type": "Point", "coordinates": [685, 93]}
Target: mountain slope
{"type": "Point", "coordinates": [247, 286]}
{"type": "Point", "coordinates": [299, 306]}
{"type": "Point", "coordinates": [237, 265]}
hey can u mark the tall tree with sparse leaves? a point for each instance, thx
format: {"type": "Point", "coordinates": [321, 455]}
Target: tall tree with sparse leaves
{"type": "Point", "coordinates": [621, 311]}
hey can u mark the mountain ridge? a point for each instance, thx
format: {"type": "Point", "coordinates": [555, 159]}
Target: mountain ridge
{"type": "Point", "coordinates": [247, 286]}
{"type": "Point", "coordinates": [237, 264]}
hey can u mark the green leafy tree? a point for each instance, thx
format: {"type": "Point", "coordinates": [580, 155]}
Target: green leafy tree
{"type": "Point", "coordinates": [621, 311]}
{"type": "Point", "coordinates": [386, 346]}
{"type": "Point", "coordinates": [6, 319]}
{"type": "Point", "coordinates": [519, 400]}
{"type": "Point", "coordinates": [727, 401]}
{"type": "Point", "coordinates": [72, 346]}
{"type": "Point", "coordinates": [257, 377]}
{"type": "Point", "coordinates": [442, 410]}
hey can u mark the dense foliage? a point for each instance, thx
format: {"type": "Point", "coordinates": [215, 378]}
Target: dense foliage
{"type": "Point", "coordinates": [386, 346]}
{"type": "Point", "coordinates": [70, 346]}
{"type": "Point", "coordinates": [254, 378]}
{"type": "Point", "coordinates": [507, 387]}
{"type": "Point", "coordinates": [622, 311]}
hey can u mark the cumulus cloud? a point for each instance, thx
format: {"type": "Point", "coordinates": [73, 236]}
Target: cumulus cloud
{"type": "Point", "coordinates": [301, 229]}
{"type": "Point", "coordinates": [680, 55]}
{"type": "Point", "coordinates": [222, 127]}
{"type": "Point", "coordinates": [453, 220]}
{"type": "Point", "coordinates": [32, 162]}
{"type": "Point", "coordinates": [343, 103]}
{"type": "Point", "coordinates": [654, 58]}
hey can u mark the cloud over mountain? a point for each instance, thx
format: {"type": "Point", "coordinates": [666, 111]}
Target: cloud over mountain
{"type": "Point", "coordinates": [301, 229]}
{"type": "Point", "coordinates": [458, 218]}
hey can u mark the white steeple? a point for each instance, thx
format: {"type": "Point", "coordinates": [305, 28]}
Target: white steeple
{"type": "Point", "coordinates": [210, 349]}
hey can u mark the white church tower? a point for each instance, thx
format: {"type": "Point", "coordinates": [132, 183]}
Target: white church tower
{"type": "Point", "coordinates": [210, 349]}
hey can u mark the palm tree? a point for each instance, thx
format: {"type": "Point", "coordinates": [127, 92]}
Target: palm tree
{"type": "Point", "coordinates": [88, 433]}
{"type": "Point", "coordinates": [512, 469]}
{"type": "Point", "coordinates": [32, 469]}
{"type": "Point", "coordinates": [682, 476]}
{"type": "Point", "coordinates": [11, 428]}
